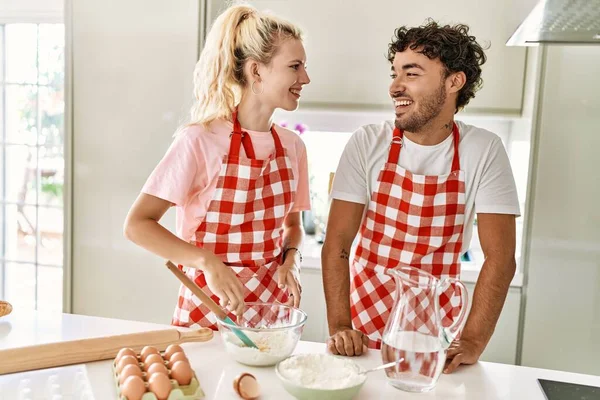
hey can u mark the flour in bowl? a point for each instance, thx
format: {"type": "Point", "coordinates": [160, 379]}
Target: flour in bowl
{"type": "Point", "coordinates": [272, 347]}
{"type": "Point", "coordinates": [321, 371]}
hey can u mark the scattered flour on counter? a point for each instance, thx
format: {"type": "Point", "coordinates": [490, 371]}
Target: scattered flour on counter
{"type": "Point", "coordinates": [321, 371]}
{"type": "Point", "coordinates": [272, 347]}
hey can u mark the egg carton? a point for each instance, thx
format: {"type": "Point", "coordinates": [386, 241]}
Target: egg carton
{"type": "Point", "coordinates": [192, 391]}
{"type": "Point", "coordinates": [63, 383]}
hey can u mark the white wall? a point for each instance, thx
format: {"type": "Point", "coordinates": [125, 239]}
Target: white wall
{"type": "Point", "coordinates": [132, 84]}
{"type": "Point", "coordinates": [562, 312]}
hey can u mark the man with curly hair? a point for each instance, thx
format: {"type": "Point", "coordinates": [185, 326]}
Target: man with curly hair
{"type": "Point", "coordinates": [413, 186]}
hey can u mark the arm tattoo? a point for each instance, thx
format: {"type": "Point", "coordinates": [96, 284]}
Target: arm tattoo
{"type": "Point", "coordinates": [344, 254]}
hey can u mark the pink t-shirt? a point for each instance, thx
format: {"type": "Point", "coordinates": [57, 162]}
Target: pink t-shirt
{"type": "Point", "coordinates": [187, 174]}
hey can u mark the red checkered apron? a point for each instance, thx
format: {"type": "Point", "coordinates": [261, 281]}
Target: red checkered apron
{"type": "Point", "coordinates": [243, 226]}
{"type": "Point", "coordinates": [414, 220]}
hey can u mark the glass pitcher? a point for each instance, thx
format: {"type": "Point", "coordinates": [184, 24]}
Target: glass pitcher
{"type": "Point", "coordinates": [423, 323]}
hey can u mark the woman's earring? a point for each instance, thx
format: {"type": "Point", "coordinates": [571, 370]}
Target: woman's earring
{"type": "Point", "coordinates": [253, 91]}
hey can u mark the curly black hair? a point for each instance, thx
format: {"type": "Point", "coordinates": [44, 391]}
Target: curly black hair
{"type": "Point", "coordinates": [454, 47]}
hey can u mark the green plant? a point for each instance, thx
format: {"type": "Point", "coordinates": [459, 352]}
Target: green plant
{"type": "Point", "coordinates": [50, 187]}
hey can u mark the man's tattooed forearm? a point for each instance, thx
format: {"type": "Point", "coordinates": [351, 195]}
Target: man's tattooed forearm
{"type": "Point", "coordinates": [344, 254]}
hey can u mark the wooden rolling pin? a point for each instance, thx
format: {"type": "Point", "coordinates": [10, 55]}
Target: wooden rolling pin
{"type": "Point", "coordinates": [87, 350]}
{"type": "Point", "coordinates": [5, 308]}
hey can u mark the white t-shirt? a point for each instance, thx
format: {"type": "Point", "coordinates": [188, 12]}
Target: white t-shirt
{"type": "Point", "coordinates": [489, 182]}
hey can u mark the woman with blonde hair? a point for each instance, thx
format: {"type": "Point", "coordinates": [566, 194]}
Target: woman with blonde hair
{"type": "Point", "coordinates": [238, 181]}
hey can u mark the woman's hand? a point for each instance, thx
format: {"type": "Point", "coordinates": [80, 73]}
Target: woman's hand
{"type": "Point", "coordinates": [289, 278]}
{"type": "Point", "coordinates": [223, 282]}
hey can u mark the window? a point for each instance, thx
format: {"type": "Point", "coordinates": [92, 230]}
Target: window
{"type": "Point", "coordinates": [32, 164]}
{"type": "Point", "coordinates": [324, 150]}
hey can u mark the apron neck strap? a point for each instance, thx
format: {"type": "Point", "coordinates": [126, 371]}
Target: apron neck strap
{"type": "Point", "coordinates": [456, 159]}
{"type": "Point", "coordinates": [238, 138]}
{"type": "Point", "coordinates": [397, 141]}
{"type": "Point", "coordinates": [278, 146]}
{"type": "Point", "coordinates": [395, 147]}
{"type": "Point", "coordinates": [242, 138]}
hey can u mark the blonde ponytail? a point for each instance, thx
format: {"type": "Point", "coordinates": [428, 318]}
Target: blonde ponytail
{"type": "Point", "coordinates": [239, 33]}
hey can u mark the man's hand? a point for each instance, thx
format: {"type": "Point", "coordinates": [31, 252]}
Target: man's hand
{"type": "Point", "coordinates": [463, 351]}
{"type": "Point", "coordinates": [347, 342]}
{"type": "Point", "coordinates": [343, 223]}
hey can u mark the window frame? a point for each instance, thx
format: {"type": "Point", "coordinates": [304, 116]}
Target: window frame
{"type": "Point", "coordinates": [45, 12]}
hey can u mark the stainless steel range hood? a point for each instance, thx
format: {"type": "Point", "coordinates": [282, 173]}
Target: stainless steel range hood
{"type": "Point", "coordinates": [560, 22]}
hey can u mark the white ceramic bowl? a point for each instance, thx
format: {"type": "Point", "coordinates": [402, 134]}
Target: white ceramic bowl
{"type": "Point", "coordinates": [274, 328]}
{"type": "Point", "coordinates": [311, 393]}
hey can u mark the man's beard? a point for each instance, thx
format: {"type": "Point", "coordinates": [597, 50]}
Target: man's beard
{"type": "Point", "coordinates": [429, 108]}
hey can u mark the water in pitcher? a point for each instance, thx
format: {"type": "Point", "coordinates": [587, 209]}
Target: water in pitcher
{"type": "Point", "coordinates": [423, 363]}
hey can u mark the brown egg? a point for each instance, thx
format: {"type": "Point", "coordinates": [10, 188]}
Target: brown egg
{"type": "Point", "coordinates": [129, 370]}
{"type": "Point", "coordinates": [126, 351]}
{"type": "Point", "coordinates": [146, 351]}
{"type": "Point", "coordinates": [160, 385]}
{"type": "Point", "coordinates": [246, 386]}
{"type": "Point", "coordinates": [133, 388]}
{"type": "Point", "coordinates": [157, 367]}
{"type": "Point", "coordinates": [182, 372]}
{"type": "Point", "coordinates": [151, 359]}
{"type": "Point", "coordinates": [173, 348]}
{"type": "Point", "coordinates": [179, 356]}
{"type": "Point", "coordinates": [126, 360]}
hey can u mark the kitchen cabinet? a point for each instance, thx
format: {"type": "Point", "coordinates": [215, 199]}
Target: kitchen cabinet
{"type": "Point", "coordinates": [346, 43]}
{"type": "Point", "coordinates": [313, 303]}
{"type": "Point", "coordinates": [502, 347]}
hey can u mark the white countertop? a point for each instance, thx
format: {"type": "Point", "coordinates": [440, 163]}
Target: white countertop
{"type": "Point", "coordinates": [216, 371]}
